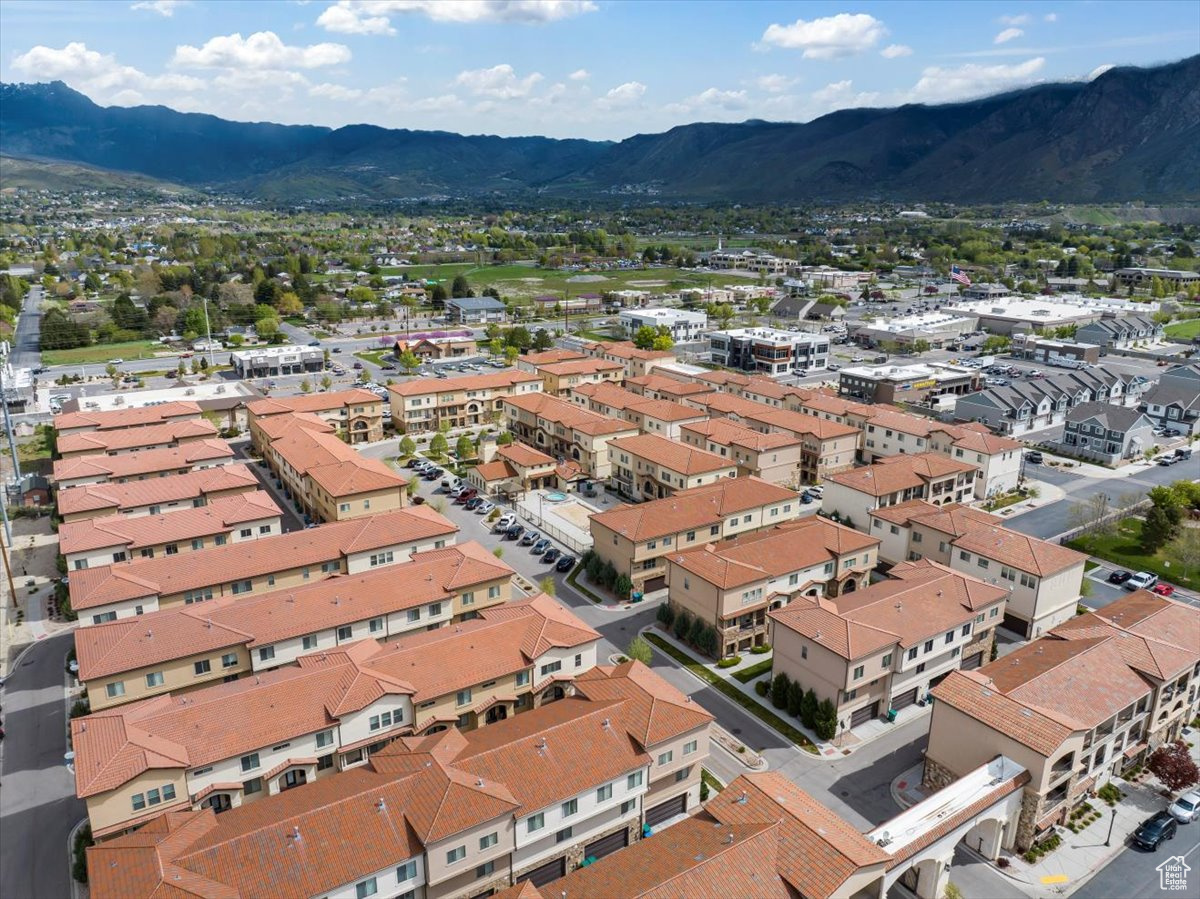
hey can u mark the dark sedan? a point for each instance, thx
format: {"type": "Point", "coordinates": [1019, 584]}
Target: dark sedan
{"type": "Point", "coordinates": [1155, 830]}
{"type": "Point", "coordinates": [566, 563]}
{"type": "Point", "coordinates": [1119, 576]}
{"type": "Point", "coordinates": [551, 556]}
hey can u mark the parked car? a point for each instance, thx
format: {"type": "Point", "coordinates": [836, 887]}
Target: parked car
{"type": "Point", "coordinates": [1186, 808]}
{"type": "Point", "coordinates": [540, 546]}
{"type": "Point", "coordinates": [336, 349]}
{"type": "Point", "coordinates": [474, 503]}
{"type": "Point", "coordinates": [1165, 461]}
{"type": "Point", "coordinates": [514, 532]}
{"type": "Point", "coordinates": [1164, 589]}
{"type": "Point", "coordinates": [566, 563]}
{"type": "Point", "coordinates": [806, 498]}
{"type": "Point", "coordinates": [432, 474]}
{"type": "Point", "coordinates": [418, 500]}
{"type": "Point", "coordinates": [1033, 458]}
{"type": "Point", "coordinates": [1155, 830]}
{"type": "Point", "coordinates": [485, 507]}
{"type": "Point", "coordinates": [466, 494]}
{"type": "Point", "coordinates": [358, 366]}
{"type": "Point", "coordinates": [1183, 453]}
{"type": "Point", "coordinates": [504, 522]}
{"type": "Point", "coordinates": [551, 556]}
{"type": "Point", "coordinates": [815, 490]}
{"type": "Point", "coordinates": [1143, 580]}
{"type": "Point", "coordinates": [530, 538]}
{"type": "Point", "coordinates": [1119, 576]}
{"type": "Point", "coordinates": [314, 343]}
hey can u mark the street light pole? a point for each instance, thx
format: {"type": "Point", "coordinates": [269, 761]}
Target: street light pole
{"type": "Point", "coordinates": [1111, 822]}
{"type": "Point", "coordinates": [208, 330]}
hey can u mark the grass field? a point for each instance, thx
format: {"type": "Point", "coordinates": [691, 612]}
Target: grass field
{"type": "Point", "coordinates": [134, 349]}
{"type": "Point", "coordinates": [1185, 329]}
{"type": "Point", "coordinates": [1123, 547]}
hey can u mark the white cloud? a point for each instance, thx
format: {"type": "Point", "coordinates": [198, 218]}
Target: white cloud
{"type": "Point", "coordinates": [1008, 34]}
{"type": "Point", "coordinates": [714, 98]}
{"type": "Point", "coordinates": [99, 75]}
{"type": "Point", "coordinates": [580, 75]}
{"type": "Point", "coordinates": [1051, 17]}
{"type": "Point", "coordinates": [895, 51]}
{"type": "Point", "coordinates": [262, 50]}
{"type": "Point", "coordinates": [335, 92]}
{"type": "Point", "coordinates": [622, 95]}
{"type": "Point", "coordinates": [940, 85]}
{"type": "Point", "coordinates": [1098, 71]}
{"type": "Point", "coordinates": [842, 35]}
{"type": "Point", "coordinates": [1022, 19]}
{"type": "Point", "coordinates": [162, 7]}
{"type": "Point", "coordinates": [373, 16]}
{"type": "Point", "coordinates": [774, 84]}
{"type": "Point", "coordinates": [499, 82]}
{"type": "Point", "coordinates": [841, 95]}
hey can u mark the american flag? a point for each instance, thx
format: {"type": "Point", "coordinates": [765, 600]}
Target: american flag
{"type": "Point", "coordinates": [960, 276]}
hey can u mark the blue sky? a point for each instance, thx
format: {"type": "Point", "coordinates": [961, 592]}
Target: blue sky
{"type": "Point", "coordinates": [570, 68]}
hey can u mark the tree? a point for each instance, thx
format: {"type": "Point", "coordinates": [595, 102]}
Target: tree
{"type": "Point", "coordinates": [460, 287]}
{"type": "Point", "coordinates": [438, 445]}
{"type": "Point", "coordinates": [407, 446]}
{"type": "Point", "coordinates": [542, 340]}
{"type": "Point", "coordinates": [305, 386]}
{"type": "Point", "coordinates": [683, 623]}
{"type": "Point", "coordinates": [808, 709]}
{"type": "Point", "coordinates": [780, 684]}
{"type": "Point", "coordinates": [622, 586]}
{"type": "Point", "coordinates": [643, 337]}
{"type": "Point", "coordinates": [1157, 530]}
{"type": "Point", "coordinates": [547, 586]}
{"type": "Point", "coordinates": [267, 328]}
{"type": "Point", "coordinates": [825, 723]}
{"type": "Point", "coordinates": [1185, 549]}
{"type": "Point", "coordinates": [290, 304]}
{"type": "Point", "coordinates": [795, 698]}
{"type": "Point", "coordinates": [696, 631]}
{"type": "Point", "coordinates": [409, 361]}
{"type": "Point", "coordinates": [996, 343]}
{"type": "Point", "coordinates": [326, 382]}
{"type": "Point", "coordinates": [920, 346]}
{"type": "Point", "coordinates": [438, 296]}
{"type": "Point", "coordinates": [639, 650]}
{"type": "Point", "coordinates": [1172, 764]}
{"type": "Point", "coordinates": [505, 439]}
{"type": "Point", "coordinates": [464, 448]}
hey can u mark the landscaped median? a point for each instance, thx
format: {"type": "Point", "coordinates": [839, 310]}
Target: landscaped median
{"type": "Point", "coordinates": [1123, 547]}
{"type": "Point", "coordinates": [764, 714]}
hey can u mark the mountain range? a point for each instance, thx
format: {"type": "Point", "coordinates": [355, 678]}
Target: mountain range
{"type": "Point", "coordinates": [1130, 134]}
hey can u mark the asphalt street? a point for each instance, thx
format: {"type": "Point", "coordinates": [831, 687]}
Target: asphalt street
{"type": "Point", "coordinates": [38, 807]}
{"type": "Point", "coordinates": [25, 353]}
{"type": "Point", "coordinates": [1133, 874]}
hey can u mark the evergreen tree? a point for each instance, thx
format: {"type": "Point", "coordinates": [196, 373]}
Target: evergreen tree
{"type": "Point", "coordinates": [779, 690]}
{"type": "Point", "coordinates": [808, 709]}
{"type": "Point", "coordinates": [795, 698]}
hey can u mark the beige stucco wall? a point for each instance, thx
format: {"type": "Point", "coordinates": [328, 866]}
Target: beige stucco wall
{"type": "Point", "coordinates": [178, 675]}
{"type": "Point", "coordinates": [115, 807]}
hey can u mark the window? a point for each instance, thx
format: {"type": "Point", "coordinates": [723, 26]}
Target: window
{"type": "Point", "coordinates": [964, 555]}
{"type": "Point", "coordinates": [139, 801]}
{"type": "Point", "coordinates": [382, 558]}
{"type": "Point", "coordinates": [198, 543]}
{"type": "Point", "coordinates": [365, 888]}
{"type": "Point", "coordinates": [716, 529]}
{"type": "Point", "coordinates": [250, 762]}
{"type": "Point", "coordinates": [912, 653]}
{"type": "Point", "coordinates": [229, 660]}
{"type": "Point", "coordinates": [994, 612]}
{"type": "Point", "coordinates": [1028, 580]}
{"type": "Point", "coordinates": [551, 667]}
{"type": "Point", "coordinates": [345, 632]}
{"type": "Point", "coordinates": [172, 549]}
{"type": "Point", "coordinates": [457, 854]}
{"type": "Point", "coordinates": [920, 668]}
{"type": "Point", "coordinates": [266, 653]}
{"type": "Point", "coordinates": [851, 694]}
{"type": "Point", "coordinates": [204, 666]}
{"type": "Point", "coordinates": [253, 785]}
{"type": "Point", "coordinates": [324, 738]}
{"type": "Point", "coordinates": [406, 871]}
{"type": "Point", "coordinates": [375, 625]}
{"type": "Point", "coordinates": [386, 719]}
{"type": "Point", "coordinates": [493, 591]}
{"type": "Point", "coordinates": [463, 697]}
{"type": "Point", "coordinates": [949, 637]}
{"type": "Point", "coordinates": [690, 747]}
{"type": "Point", "coordinates": [154, 679]}
{"type": "Point", "coordinates": [487, 842]}
{"type": "Point", "coordinates": [435, 609]}
{"type": "Point", "coordinates": [197, 596]}
{"type": "Point", "coordinates": [887, 661]}
{"type": "Point", "coordinates": [220, 540]}
{"type": "Point", "coordinates": [929, 646]}
{"type": "Point", "coordinates": [240, 587]}
{"type": "Point", "coordinates": [633, 781]}
{"type": "Point", "coordinates": [604, 793]}
{"type": "Point", "coordinates": [916, 537]}
{"type": "Point", "coordinates": [522, 678]}
{"type": "Point", "coordinates": [803, 651]}
{"type": "Point", "coordinates": [325, 762]}
{"type": "Point", "coordinates": [858, 672]}
{"type": "Point", "coordinates": [691, 535]}
{"type": "Point", "coordinates": [981, 562]}
{"type": "Point", "coordinates": [485, 870]}
{"type": "Point", "coordinates": [578, 660]}
{"type": "Point", "coordinates": [264, 529]}
{"type": "Point", "coordinates": [683, 774]}
{"type": "Point", "coordinates": [246, 532]}
{"type": "Point", "coordinates": [330, 567]}
{"type": "Point", "coordinates": [535, 822]}
{"type": "Point", "coordinates": [309, 641]}
{"type": "Point", "coordinates": [147, 553]}
{"type": "Point", "coordinates": [468, 599]}
{"type": "Point", "coordinates": [665, 758]}
{"type": "Point", "coordinates": [563, 835]}
{"type": "Point", "coordinates": [966, 629]}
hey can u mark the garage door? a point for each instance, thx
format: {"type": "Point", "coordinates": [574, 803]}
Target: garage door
{"type": "Point", "coordinates": [539, 877]}
{"type": "Point", "coordinates": [665, 810]}
{"type": "Point", "coordinates": [607, 845]}
{"type": "Point", "coordinates": [970, 663]}
{"type": "Point", "coordinates": [655, 583]}
{"type": "Point", "coordinates": [865, 714]}
{"type": "Point", "coordinates": [902, 700]}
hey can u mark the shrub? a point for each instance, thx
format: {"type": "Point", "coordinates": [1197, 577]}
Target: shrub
{"type": "Point", "coordinates": [808, 709]}
{"type": "Point", "coordinates": [548, 586]}
{"type": "Point", "coordinates": [709, 641]}
{"type": "Point", "coordinates": [608, 575]}
{"type": "Point", "coordinates": [760, 650]}
{"type": "Point", "coordinates": [761, 688]}
{"type": "Point", "coordinates": [80, 708]}
{"type": "Point", "coordinates": [595, 568]}
{"type": "Point", "coordinates": [779, 690]}
{"type": "Point", "coordinates": [795, 698]}
{"type": "Point", "coordinates": [683, 624]}
{"type": "Point", "coordinates": [825, 724]}
{"type": "Point", "coordinates": [695, 632]}
{"type": "Point", "coordinates": [1109, 793]}
{"type": "Point", "coordinates": [587, 557]}
{"type": "Point", "coordinates": [666, 614]}
{"type": "Point", "coordinates": [83, 839]}
{"type": "Point", "coordinates": [640, 650]}
{"type": "Point", "coordinates": [729, 661]}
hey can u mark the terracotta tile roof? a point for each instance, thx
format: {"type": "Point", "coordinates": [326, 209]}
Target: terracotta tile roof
{"type": "Point", "coordinates": [903, 513]}
{"type": "Point", "coordinates": [126, 418]}
{"type": "Point", "coordinates": [545, 357]}
{"type": "Point", "coordinates": [799, 423]}
{"type": "Point", "coordinates": [314, 402]}
{"type": "Point", "coordinates": [654, 710]}
{"type": "Point", "coordinates": [276, 426]}
{"type": "Point", "coordinates": [1169, 627]}
{"type": "Point", "coordinates": [559, 411]}
{"type": "Point", "coordinates": [624, 349]}
{"type": "Point", "coordinates": [1012, 548]}
{"type": "Point", "coordinates": [678, 457]}
{"type": "Point", "coordinates": [169, 432]}
{"type": "Point", "coordinates": [580, 367]}
{"type": "Point", "coordinates": [818, 620]}
{"type": "Point", "coordinates": [832, 405]}
{"type": "Point", "coordinates": [818, 850]}
{"type": "Point", "coordinates": [897, 473]}
{"type": "Point", "coordinates": [608, 394]}
{"type": "Point", "coordinates": [666, 385]}
{"type": "Point", "coordinates": [695, 507]}
{"type": "Point", "coordinates": [497, 470]}
{"type": "Point", "coordinates": [221, 564]}
{"type": "Point", "coordinates": [726, 432]}
{"type": "Point", "coordinates": [131, 643]}
{"type": "Point", "coordinates": [694, 858]}
{"type": "Point", "coordinates": [986, 443]}
{"type": "Point", "coordinates": [489, 381]}
{"type": "Point", "coordinates": [525, 456]}
{"type": "Point", "coordinates": [135, 532]}
{"type": "Point", "coordinates": [173, 488]}
{"type": "Point", "coordinates": [354, 476]}
{"type": "Point", "coordinates": [971, 693]}
{"type": "Point", "coordinates": [142, 462]}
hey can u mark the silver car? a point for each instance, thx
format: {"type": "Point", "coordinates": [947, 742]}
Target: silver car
{"type": "Point", "coordinates": [1186, 808]}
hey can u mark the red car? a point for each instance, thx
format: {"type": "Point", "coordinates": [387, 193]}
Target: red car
{"type": "Point", "coordinates": [1164, 589]}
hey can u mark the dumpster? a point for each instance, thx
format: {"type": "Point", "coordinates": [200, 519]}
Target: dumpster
{"type": "Point", "coordinates": [891, 715]}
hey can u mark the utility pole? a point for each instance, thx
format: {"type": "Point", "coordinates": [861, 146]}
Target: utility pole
{"type": "Point", "coordinates": [208, 329]}
{"type": "Point", "coordinates": [12, 448]}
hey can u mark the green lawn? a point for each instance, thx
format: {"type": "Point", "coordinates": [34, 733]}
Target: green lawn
{"type": "Point", "coordinates": [1123, 548]}
{"type": "Point", "coordinates": [134, 349]}
{"type": "Point", "coordinates": [1185, 329]}
{"type": "Point", "coordinates": [755, 708]}
{"type": "Point", "coordinates": [375, 356]}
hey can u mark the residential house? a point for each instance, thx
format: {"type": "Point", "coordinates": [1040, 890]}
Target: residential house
{"type": "Point", "coordinates": [138, 586]}
{"type": "Point", "coordinates": [1044, 577]}
{"type": "Point", "coordinates": [1120, 333]}
{"type": "Point", "coordinates": [530, 362]}
{"type": "Point", "coordinates": [529, 796]}
{"type": "Point", "coordinates": [852, 496]}
{"type": "Point", "coordinates": [661, 387]}
{"type": "Point", "coordinates": [636, 539]}
{"type": "Point", "coordinates": [190, 646]}
{"type": "Point", "coordinates": [430, 348]}
{"type": "Point", "coordinates": [637, 362]}
{"type": "Point", "coordinates": [429, 404]}
{"type": "Point", "coordinates": [1174, 402]}
{"type": "Point", "coordinates": [577, 438]}
{"type": "Point", "coordinates": [515, 470]}
{"type": "Point", "coordinates": [475, 310]}
{"type": "Point", "coordinates": [1107, 434]}
{"type": "Point", "coordinates": [652, 467]}
{"type": "Point", "coordinates": [142, 465]}
{"type": "Point", "coordinates": [776, 457]}
{"type": "Point", "coordinates": [69, 423]}
{"type": "Point", "coordinates": [883, 647]}
{"type": "Point", "coordinates": [355, 414]}
{"type": "Point", "coordinates": [155, 496]}
{"type": "Point", "coordinates": [560, 378]}
{"type": "Point", "coordinates": [732, 585]}
{"type": "Point", "coordinates": [662, 417]}
{"type": "Point", "coordinates": [118, 538]}
{"type": "Point", "coordinates": [327, 713]}
{"type": "Point", "coordinates": [1143, 278]}
{"type": "Point", "coordinates": [113, 442]}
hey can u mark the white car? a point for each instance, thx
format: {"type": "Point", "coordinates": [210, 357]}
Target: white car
{"type": "Point", "coordinates": [485, 507]}
{"type": "Point", "coordinates": [1186, 808]}
{"type": "Point", "coordinates": [1143, 580]}
{"type": "Point", "coordinates": [504, 522]}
